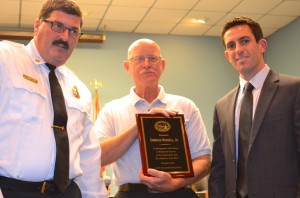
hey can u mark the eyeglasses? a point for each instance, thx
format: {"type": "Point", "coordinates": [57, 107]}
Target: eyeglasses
{"type": "Point", "coordinates": [60, 28]}
{"type": "Point", "coordinates": [141, 59]}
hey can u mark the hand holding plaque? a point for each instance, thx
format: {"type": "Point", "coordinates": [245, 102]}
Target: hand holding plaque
{"type": "Point", "coordinates": [164, 145]}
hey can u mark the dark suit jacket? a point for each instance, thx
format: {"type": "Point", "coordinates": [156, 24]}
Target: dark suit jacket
{"type": "Point", "coordinates": [274, 148]}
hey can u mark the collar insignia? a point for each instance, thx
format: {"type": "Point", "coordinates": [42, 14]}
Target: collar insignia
{"type": "Point", "coordinates": [75, 92]}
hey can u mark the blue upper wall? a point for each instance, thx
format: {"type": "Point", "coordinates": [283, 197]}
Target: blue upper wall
{"type": "Point", "coordinates": [283, 53]}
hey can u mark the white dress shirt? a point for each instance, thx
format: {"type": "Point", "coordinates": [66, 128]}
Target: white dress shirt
{"type": "Point", "coordinates": [27, 143]}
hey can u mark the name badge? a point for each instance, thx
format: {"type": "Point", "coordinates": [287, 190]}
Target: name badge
{"type": "Point", "coordinates": [30, 78]}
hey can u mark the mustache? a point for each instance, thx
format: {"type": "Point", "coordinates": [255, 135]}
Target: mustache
{"type": "Point", "coordinates": [61, 42]}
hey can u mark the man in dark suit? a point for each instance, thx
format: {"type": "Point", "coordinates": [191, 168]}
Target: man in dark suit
{"type": "Point", "coordinates": [272, 154]}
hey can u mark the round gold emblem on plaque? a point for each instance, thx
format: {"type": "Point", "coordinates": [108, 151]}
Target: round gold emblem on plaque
{"type": "Point", "coordinates": [162, 126]}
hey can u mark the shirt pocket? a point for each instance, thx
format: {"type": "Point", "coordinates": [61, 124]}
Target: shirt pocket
{"type": "Point", "coordinates": [27, 100]}
{"type": "Point", "coordinates": [78, 113]}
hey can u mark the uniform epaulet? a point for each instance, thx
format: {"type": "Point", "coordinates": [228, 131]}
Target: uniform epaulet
{"type": "Point", "coordinates": [11, 43]}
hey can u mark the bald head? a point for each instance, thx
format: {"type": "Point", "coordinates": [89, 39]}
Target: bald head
{"type": "Point", "coordinates": [141, 42]}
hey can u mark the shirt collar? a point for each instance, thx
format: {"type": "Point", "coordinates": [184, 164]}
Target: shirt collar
{"type": "Point", "coordinates": [34, 54]}
{"type": "Point", "coordinates": [38, 60]}
{"type": "Point", "coordinates": [161, 95]}
{"type": "Point", "coordinates": [258, 80]}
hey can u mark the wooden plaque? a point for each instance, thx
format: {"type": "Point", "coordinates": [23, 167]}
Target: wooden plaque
{"type": "Point", "coordinates": [164, 145]}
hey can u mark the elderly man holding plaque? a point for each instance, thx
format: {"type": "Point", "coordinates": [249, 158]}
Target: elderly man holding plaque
{"type": "Point", "coordinates": [117, 130]}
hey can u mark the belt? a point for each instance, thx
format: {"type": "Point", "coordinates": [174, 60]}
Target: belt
{"type": "Point", "coordinates": [136, 188]}
{"type": "Point", "coordinates": [45, 187]}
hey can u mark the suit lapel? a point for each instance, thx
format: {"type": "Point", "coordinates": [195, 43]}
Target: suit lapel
{"type": "Point", "coordinates": [231, 101]}
{"type": "Point", "coordinates": [267, 93]}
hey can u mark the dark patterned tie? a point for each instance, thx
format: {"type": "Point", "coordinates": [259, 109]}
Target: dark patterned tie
{"type": "Point", "coordinates": [61, 171]}
{"type": "Point", "coordinates": [245, 125]}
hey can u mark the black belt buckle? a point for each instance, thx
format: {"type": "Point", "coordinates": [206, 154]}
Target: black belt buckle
{"type": "Point", "coordinates": [49, 188]}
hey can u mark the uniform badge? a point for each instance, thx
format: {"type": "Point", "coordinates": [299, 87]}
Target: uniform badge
{"type": "Point", "coordinates": [75, 92]}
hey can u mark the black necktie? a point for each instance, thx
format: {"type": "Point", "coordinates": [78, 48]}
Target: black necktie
{"type": "Point", "coordinates": [61, 171]}
{"type": "Point", "coordinates": [245, 125]}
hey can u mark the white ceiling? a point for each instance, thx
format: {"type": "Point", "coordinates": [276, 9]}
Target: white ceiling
{"type": "Point", "coordinates": [172, 17]}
